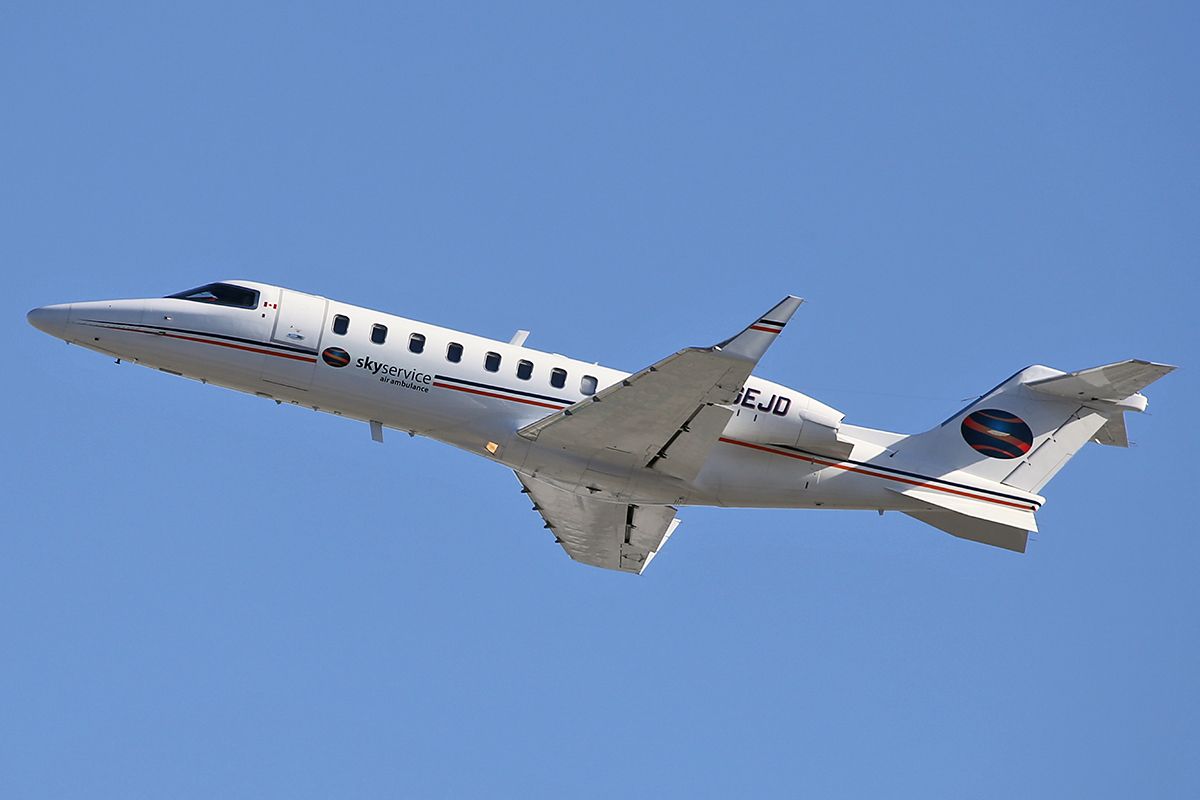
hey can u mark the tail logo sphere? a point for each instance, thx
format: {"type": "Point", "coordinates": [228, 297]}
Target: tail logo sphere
{"type": "Point", "coordinates": [335, 357]}
{"type": "Point", "coordinates": [997, 434]}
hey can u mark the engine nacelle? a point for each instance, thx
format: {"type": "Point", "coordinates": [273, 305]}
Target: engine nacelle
{"type": "Point", "coordinates": [766, 413]}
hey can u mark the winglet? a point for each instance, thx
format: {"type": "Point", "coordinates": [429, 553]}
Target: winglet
{"type": "Point", "coordinates": [751, 343]}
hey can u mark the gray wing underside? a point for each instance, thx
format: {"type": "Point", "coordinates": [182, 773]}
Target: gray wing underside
{"type": "Point", "coordinates": [619, 536]}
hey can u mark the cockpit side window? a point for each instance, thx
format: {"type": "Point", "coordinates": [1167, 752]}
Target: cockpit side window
{"type": "Point", "coordinates": [221, 294]}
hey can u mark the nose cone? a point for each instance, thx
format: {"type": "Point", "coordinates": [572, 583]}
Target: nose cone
{"type": "Point", "coordinates": [51, 319]}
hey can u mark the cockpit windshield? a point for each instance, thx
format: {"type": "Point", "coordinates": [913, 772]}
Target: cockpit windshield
{"type": "Point", "coordinates": [221, 294]}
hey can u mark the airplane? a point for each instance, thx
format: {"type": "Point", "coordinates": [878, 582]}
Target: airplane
{"type": "Point", "coordinates": [607, 456]}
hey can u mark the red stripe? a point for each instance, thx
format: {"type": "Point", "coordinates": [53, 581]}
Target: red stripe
{"type": "Point", "coordinates": [870, 473]}
{"type": "Point", "coordinates": [305, 359]}
{"type": "Point", "coordinates": [764, 329]}
{"type": "Point", "coordinates": [497, 396]}
{"type": "Point", "coordinates": [995, 434]}
{"type": "Point", "coordinates": [243, 347]}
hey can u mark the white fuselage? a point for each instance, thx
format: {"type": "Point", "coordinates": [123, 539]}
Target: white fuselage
{"type": "Point", "coordinates": [454, 390]}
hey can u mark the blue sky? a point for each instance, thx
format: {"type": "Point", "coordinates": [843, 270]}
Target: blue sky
{"type": "Point", "coordinates": [206, 595]}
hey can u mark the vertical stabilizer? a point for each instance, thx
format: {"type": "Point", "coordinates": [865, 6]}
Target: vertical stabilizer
{"type": "Point", "coordinates": [1020, 435]}
{"type": "Point", "coordinates": [1026, 429]}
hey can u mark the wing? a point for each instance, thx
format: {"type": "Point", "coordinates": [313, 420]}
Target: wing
{"type": "Point", "coordinates": [618, 536]}
{"type": "Point", "coordinates": [668, 415]}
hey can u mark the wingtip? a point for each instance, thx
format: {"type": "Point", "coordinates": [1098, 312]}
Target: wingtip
{"type": "Point", "coordinates": [789, 304]}
{"type": "Point", "coordinates": [754, 340]}
{"type": "Point", "coordinates": [782, 311]}
{"type": "Point", "coordinates": [1162, 369]}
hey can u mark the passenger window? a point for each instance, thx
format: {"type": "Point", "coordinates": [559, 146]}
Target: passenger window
{"type": "Point", "coordinates": [491, 362]}
{"type": "Point", "coordinates": [379, 334]}
{"type": "Point", "coordinates": [341, 324]}
{"type": "Point", "coordinates": [587, 384]}
{"type": "Point", "coordinates": [558, 378]}
{"type": "Point", "coordinates": [524, 370]}
{"type": "Point", "coordinates": [454, 352]}
{"type": "Point", "coordinates": [416, 343]}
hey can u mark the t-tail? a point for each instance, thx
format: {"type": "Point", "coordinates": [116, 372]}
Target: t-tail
{"type": "Point", "coordinates": [993, 457]}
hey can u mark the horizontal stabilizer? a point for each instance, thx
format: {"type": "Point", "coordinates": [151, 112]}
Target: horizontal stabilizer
{"type": "Point", "coordinates": [976, 530]}
{"type": "Point", "coordinates": [1014, 513]}
{"type": "Point", "coordinates": [998, 524]}
{"type": "Point", "coordinates": [1111, 383]}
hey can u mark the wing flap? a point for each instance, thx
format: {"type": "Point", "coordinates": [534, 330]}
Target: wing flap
{"type": "Point", "coordinates": [981, 509]}
{"type": "Point", "coordinates": [618, 536]}
{"type": "Point", "coordinates": [684, 453]}
{"type": "Point", "coordinates": [974, 529]}
{"type": "Point", "coordinates": [979, 521]}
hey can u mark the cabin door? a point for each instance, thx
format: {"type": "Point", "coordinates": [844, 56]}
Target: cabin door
{"type": "Point", "coordinates": [298, 324]}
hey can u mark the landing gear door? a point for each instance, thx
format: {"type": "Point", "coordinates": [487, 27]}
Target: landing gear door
{"type": "Point", "coordinates": [298, 326]}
